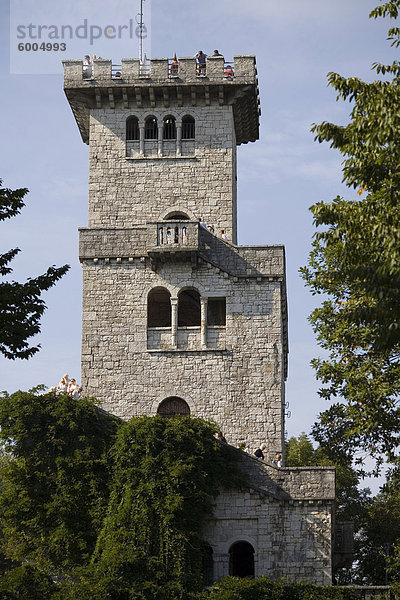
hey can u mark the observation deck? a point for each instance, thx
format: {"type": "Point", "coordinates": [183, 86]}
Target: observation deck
{"type": "Point", "coordinates": [161, 82]}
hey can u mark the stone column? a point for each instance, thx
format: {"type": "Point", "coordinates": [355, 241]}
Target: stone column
{"type": "Point", "coordinates": [160, 138]}
{"type": "Point", "coordinates": [174, 322]}
{"type": "Point", "coordinates": [179, 139]}
{"type": "Point", "coordinates": [203, 326]}
{"type": "Point", "coordinates": [141, 138]}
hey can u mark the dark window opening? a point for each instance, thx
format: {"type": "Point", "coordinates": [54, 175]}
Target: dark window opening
{"type": "Point", "coordinates": [216, 311]}
{"type": "Point", "coordinates": [188, 128]}
{"type": "Point", "coordinates": [150, 129]}
{"type": "Point", "coordinates": [189, 312]}
{"type": "Point", "coordinates": [159, 308]}
{"type": "Point", "coordinates": [169, 129]}
{"type": "Point", "coordinates": [177, 217]}
{"type": "Point", "coordinates": [173, 407]}
{"type": "Point", "coordinates": [241, 560]}
{"type": "Point", "coordinates": [207, 565]}
{"type": "Point", "coordinates": [132, 128]}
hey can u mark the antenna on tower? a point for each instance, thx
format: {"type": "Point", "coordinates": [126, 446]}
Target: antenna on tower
{"type": "Point", "coordinates": [141, 26]}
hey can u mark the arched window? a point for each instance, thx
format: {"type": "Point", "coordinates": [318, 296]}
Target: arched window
{"type": "Point", "coordinates": [169, 129]}
{"type": "Point", "coordinates": [150, 128]}
{"type": "Point", "coordinates": [188, 128]}
{"type": "Point", "coordinates": [241, 560]}
{"type": "Point", "coordinates": [132, 128]}
{"type": "Point", "coordinates": [159, 308]}
{"type": "Point", "coordinates": [178, 217]}
{"type": "Point", "coordinates": [173, 407]}
{"type": "Point", "coordinates": [189, 312]}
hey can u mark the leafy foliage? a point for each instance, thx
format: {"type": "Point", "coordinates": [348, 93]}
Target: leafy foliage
{"type": "Point", "coordinates": [166, 475]}
{"type": "Point", "coordinates": [379, 539]}
{"type": "Point", "coordinates": [54, 488]}
{"type": "Point", "coordinates": [21, 306]}
{"type": "Point", "coordinates": [233, 588]}
{"type": "Point", "coordinates": [116, 509]}
{"type": "Point", "coordinates": [355, 262]}
{"type": "Point", "coordinates": [26, 583]}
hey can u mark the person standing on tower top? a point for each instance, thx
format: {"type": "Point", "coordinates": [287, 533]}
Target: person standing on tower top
{"type": "Point", "coordinates": [201, 62]}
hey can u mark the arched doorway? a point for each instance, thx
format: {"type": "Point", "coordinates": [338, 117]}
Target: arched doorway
{"type": "Point", "coordinates": [173, 407]}
{"type": "Point", "coordinates": [241, 560]}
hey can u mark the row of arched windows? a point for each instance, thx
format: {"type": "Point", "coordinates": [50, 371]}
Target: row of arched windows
{"type": "Point", "coordinates": [151, 128]}
{"type": "Point", "coordinates": [189, 309]}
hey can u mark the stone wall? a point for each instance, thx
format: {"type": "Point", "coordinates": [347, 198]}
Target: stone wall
{"type": "Point", "coordinates": [288, 523]}
{"type": "Point", "coordinates": [238, 384]}
{"type": "Point", "coordinates": [131, 191]}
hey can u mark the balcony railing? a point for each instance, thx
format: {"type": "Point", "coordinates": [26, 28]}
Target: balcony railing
{"type": "Point", "coordinates": [173, 236]}
{"type": "Point", "coordinates": [168, 68]}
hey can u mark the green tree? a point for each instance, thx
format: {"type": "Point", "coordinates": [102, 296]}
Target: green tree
{"type": "Point", "coordinates": [115, 509]}
{"type": "Point", "coordinates": [167, 473]}
{"type": "Point", "coordinates": [21, 306]}
{"type": "Point", "coordinates": [55, 483]}
{"type": "Point", "coordinates": [355, 263]}
{"type": "Point", "coordinates": [26, 583]}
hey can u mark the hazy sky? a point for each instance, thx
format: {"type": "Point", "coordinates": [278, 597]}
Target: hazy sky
{"type": "Point", "coordinates": [296, 42]}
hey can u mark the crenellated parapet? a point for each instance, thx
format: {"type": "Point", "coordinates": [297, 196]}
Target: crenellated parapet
{"type": "Point", "coordinates": [162, 83]}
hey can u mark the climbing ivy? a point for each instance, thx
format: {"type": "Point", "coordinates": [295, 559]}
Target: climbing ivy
{"type": "Point", "coordinates": [167, 473]}
{"type": "Point", "coordinates": [117, 509]}
{"type": "Point", "coordinates": [54, 477]}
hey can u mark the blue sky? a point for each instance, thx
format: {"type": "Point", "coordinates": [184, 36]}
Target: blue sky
{"type": "Point", "coordinates": [296, 44]}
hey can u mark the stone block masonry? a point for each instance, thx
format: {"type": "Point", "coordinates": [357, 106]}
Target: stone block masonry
{"type": "Point", "coordinates": [179, 319]}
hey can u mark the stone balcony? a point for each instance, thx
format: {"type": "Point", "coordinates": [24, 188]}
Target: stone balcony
{"type": "Point", "coordinates": [173, 239]}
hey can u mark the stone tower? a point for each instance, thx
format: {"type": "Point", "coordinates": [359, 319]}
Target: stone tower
{"type": "Point", "coordinates": [176, 316]}
{"type": "Point", "coordinates": [179, 319]}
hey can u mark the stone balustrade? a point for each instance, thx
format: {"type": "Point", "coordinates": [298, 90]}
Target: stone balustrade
{"type": "Point", "coordinates": [173, 236]}
{"type": "Point", "coordinates": [159, 71]}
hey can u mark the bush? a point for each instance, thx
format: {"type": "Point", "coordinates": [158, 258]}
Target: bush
{"type": "Point", "coordinates": [26, 583]}
{"type": "Point", "coordinates": [233, 588]}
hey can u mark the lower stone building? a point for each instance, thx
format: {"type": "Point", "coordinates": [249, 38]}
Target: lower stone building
{"type": "Point", "coordinates": [280, 526]}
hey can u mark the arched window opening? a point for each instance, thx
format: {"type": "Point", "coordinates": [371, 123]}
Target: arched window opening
{"type": "Point", "coordinates": [241, 560]}
{"type": "Point", "coordinates": [169, 129]}
{"type": "Point", "coordinates": [151, 128]}
{"type": "Point", "coordinates": [159, 308]}
{"type": "Point", "coordinates": [188, 128]}
{"type": "Point", "coordinates": [173, 407]}
{"type": "Point", "coordinates": [207, 565]}
{"type": "Point", "coordinates": [189, 312]}
{"type": "Point", "coordinates": [132, 129]}
{"type": "Point", "coordinates": [178, 217]}
{"type": "Point", "coordinates": [216, 311]}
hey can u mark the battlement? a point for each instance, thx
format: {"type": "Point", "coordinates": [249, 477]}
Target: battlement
{"type": "Point", "coordinates": [162, 71]}
{"type": "Point", "coordinates": [162, 83]}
